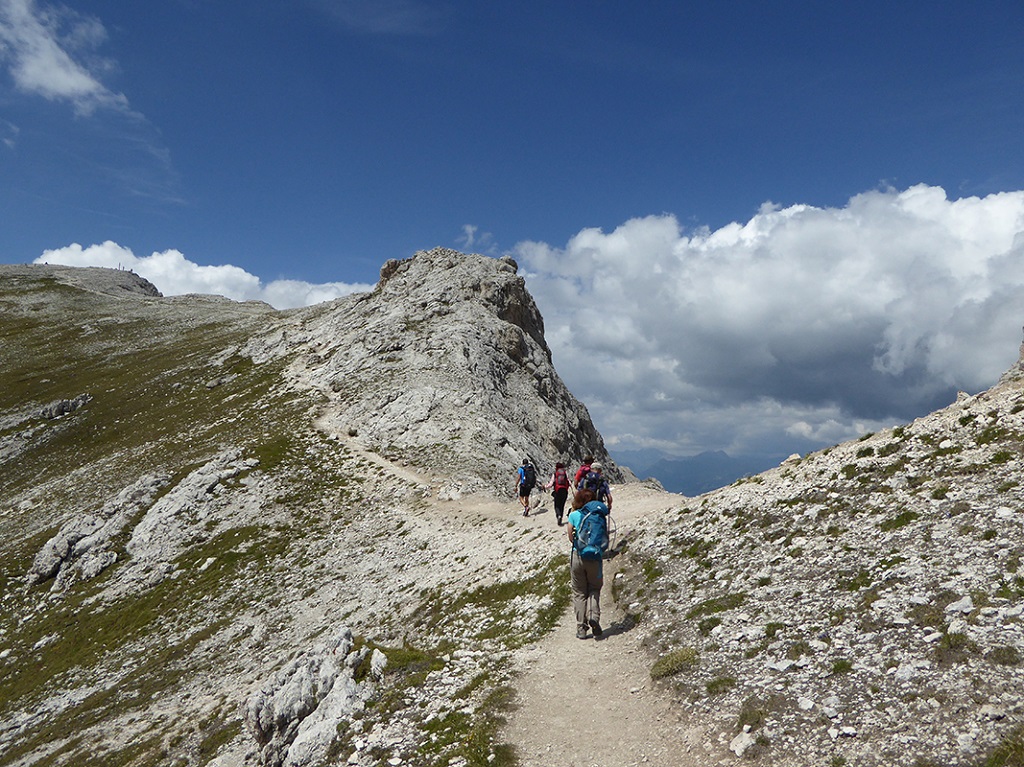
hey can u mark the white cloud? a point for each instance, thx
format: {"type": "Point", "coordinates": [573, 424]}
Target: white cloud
{"type": "Point", "coordinates": [39, 45]}
{"type": "Point", "coordinates": [174, 275]}
{"type": "Point", "coordinates": [800, 324]}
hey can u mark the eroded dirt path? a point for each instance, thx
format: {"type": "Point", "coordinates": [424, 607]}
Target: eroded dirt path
{"type": "Point", "coordinates": [587, 703]}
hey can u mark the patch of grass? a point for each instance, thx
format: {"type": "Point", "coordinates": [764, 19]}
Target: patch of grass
{"type": "Point", "coordinates": [695, 548]}
{"type": "Point", "coordinates": [217, 734]}
{"type": "Point", "coordinates": [707, 624]}
{"type": "Point", "coordinates": [954, 648]}
{"type": "Point", "coordinates": [842, 666]}
{"type": "Point", "coordinates": [888, 449]}
{"type": "Point", "coordinates": [717, 605]}
{"type": "Point", "coordinates": [991, 434]}
{"type": "Point", "coordinates": [1001, 456]}
{"type": "Point", "coordinates": [902, 519]}
{"type": "Point", "coordinates": [652, 570]}
{"type": "Point", "coordinates": [772, 629]}
{"type": "Point", "coordinates": [798, 649]}
{"type": "Point", "coordinates": [755, 710]}
{"type": "Point", "coordinates": [1009, 752]}
{"type": "Point", "coordinates": [720, 684]}
{"type": "Point", "coordinates": [1004, 655]}
{"type": "Point", "coordinates": [684, 659]}
{"type": "Point", "coordinates": [857, 582]}
{"type": "Point", "coordinates": [84, 633]}
{"type": "Point", "coordinates": [472, 738]}
{"type": "Point", "coordinates": [443, 613]}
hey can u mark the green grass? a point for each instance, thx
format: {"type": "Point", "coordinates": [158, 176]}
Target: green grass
{"type": "Point", "coordinates": [716, 605]}
{"type": "Point", "coordinates": [442, 613]}
{"type": "Point", "coordinates": [902, 519]}
{"type": "Point", "coordinates": [684, 659]}
{"type": "Point", "coordinates": [720, 684]}
{"type": "Point", "coordinates": [1009, 752]}
{"type": "Point", "coordinates": [86, 632]}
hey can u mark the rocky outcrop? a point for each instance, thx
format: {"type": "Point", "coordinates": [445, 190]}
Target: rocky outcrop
{"type": "Point", "coordinates": [294, 716]}
{"type": "Point", "coordinates": [83, 547]}
{"type": "Point", "coordinates": [64, 407]}
{"type": "Point", "coordinates": [445, 365]}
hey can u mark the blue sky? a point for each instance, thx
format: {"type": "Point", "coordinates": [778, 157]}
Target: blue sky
{"type": "Point", "coordinates": [749, 151]}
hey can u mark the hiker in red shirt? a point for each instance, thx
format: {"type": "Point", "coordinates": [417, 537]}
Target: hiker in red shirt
{"type": "Point", "coordinates": [582, 472]}
{"type": "Point", "coordinates": [560, 483]}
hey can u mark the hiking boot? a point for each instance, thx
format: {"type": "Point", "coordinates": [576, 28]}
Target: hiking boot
{"type": "Point", "coordinates": [596, 628]}
{"type": "Point", "coordinates": [581, 632]}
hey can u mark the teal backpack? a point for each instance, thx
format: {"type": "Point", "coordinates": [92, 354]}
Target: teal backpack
{"type": "Point", "coordinates": [592, 538]}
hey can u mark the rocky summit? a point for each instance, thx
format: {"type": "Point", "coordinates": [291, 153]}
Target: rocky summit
{"type": "Point", "coordinates": [239, 536]}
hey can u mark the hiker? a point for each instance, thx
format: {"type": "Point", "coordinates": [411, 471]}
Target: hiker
{"type": "Point", "coordinates": [526, 478]}
{"type": "Point", "coordinates": [595, 482]}
{"type": "Point", "coordinates": [581, 472]}
{"type": "Point", "coordinates": [588, 532]}
{"type": "Point", "coordinates": [560, 483]}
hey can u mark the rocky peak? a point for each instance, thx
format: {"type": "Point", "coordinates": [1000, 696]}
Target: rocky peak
{"type": "Point", "coordinates": [445, 364]}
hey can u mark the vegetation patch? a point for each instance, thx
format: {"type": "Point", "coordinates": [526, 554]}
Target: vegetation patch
{"type": "Point", "coordinates": [755, 711]}
{"type": "Point", "coordinates": [954, 648]}
{"type": "Point", "coordinates": [720, 684]}
{"type": "Point", "coordinates": [443, 613]}
{"type": "Point", "coordinates": [717, 605]}
{"type": "Point", "coordinates": [902, 519]}
{"type": "Point", "coordinates": [684, 659]}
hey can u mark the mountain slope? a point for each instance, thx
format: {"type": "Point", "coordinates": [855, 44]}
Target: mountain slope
{"type": "Point", "coordinates": [862, 605]}
{"type": "Point", "coordinates": [221, 525]}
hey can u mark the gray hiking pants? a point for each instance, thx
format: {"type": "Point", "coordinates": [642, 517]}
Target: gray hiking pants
{"type": "Point", "coordinates": [587, 578]}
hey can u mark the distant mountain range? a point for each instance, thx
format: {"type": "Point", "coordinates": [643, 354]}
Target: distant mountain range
{"type": "Point", "coordinates": [697, 474]}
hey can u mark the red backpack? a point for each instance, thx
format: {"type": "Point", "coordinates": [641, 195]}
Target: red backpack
{"type": "Point", "coordinates": [561, 480]}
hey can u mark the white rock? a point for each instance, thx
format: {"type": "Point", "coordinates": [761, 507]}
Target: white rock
{"type": "Point", "coordinates": [741, 743]}
{"type": "Point", "coordinates": [964, 605]}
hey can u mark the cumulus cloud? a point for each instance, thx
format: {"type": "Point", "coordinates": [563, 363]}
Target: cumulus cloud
{"type": "Point", "coordinates": [49, 52]}
{"type": "Point", "coordinates": [801, 327]}
{"type": "Point", "coordinates": [174, 275]}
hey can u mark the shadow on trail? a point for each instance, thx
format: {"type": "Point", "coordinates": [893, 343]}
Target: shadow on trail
{"type": "Point", "coordinates": [618, 627]}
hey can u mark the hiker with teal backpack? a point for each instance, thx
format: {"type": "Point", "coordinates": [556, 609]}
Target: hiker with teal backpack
{"type": "Point", "coordinates": [560, 483]}
{"type": "Point", "coordinates": [526, 479]}
{"type": "Point", "coordinates": [588, 532]}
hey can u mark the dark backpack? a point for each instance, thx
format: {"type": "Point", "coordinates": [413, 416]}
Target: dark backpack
{"type": "Point", "coordinates": [529, 476]}
{"type": "Point", "coordinates": [592, 534]}
{"type": "Point", "coordinates": [561, 479]}
{"type": "Point", "coordinates": [593, 482]}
